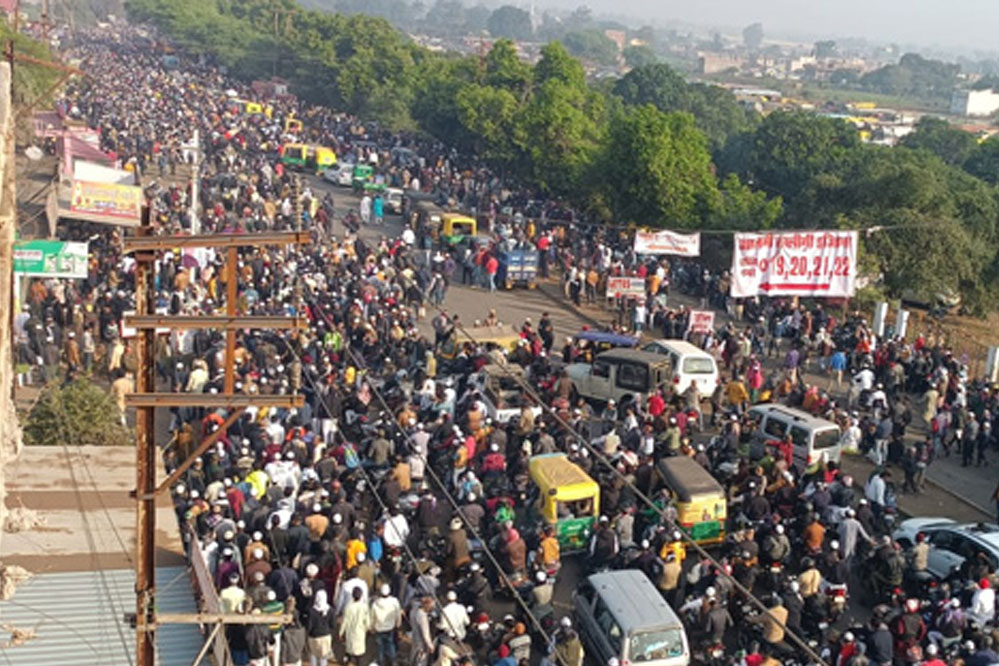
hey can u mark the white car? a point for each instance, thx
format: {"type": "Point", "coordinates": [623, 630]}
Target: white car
{"type": "Point", "coordinates": [340, 174]}
{"type": "Point", "coordinates": [393, 200]}
{"type": "Point", "coordinates": [951, 543]}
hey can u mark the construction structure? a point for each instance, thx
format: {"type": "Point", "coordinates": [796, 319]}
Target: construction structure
{"type": "Point", "coordinates": [146, 400]}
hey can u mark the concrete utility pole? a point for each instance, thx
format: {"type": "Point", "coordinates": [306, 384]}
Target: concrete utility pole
{"type": "Point", "coordinates": [195, 178]}
{"type": "Point", "coordinates": [10, 429]}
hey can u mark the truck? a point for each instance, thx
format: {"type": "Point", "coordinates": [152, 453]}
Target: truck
{"type": "Point", "coordinates": [518, 267]}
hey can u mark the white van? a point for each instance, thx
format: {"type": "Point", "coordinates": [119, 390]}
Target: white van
{"type": "Point", "coordinates": [815, 439]}
{"type": "Point", "coordinates": [689, 363]}
{"type": "Point", "coordinates": [621, 615]}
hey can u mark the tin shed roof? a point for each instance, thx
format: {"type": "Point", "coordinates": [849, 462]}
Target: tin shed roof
{"type": "Point", "coordinates": [78, 619]}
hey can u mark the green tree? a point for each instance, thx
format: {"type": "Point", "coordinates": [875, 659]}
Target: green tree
{"type": "Point", "coordinates": [556, 64]}
{"type": "Point", "coordinates": [739, 207]}
{"type": "Point", "coordinates": [559, 132]}
{"type": "Point", "coordinates": [581, 18]}
{"type": "Point", "coordinates": [752, 36]}
{"type": "Point", "coordinates": [787, 150]}
{"type": "Point", "coordinates": [656, 169]}
{"type": "Point", "coordinates": [952, 145]}
{"type": "Point", "coordinates": [639, 56]}
{"type": "Point", "coordinates": [446, 17]}
{"type": "Point", "coordinates": [934, 226]}
{"type": "Point", "coordinates": [490, 115]}
{"type": "Point", "coordinates": [647, 34]}
{"type": "Point", "coordinates": [81, 410]}
{"type": "Point", "coordinates": [509, 21]}
{"type": "Point", "coordinates": [505, 69]}
{"type": "Point", "coordinates": [984, 161]}
{"type": "Point", "coordinates": [591, 45]}
{"type": "Point", "coordinates": [913, 76]}
{"type": "Point", "coordinates": [439, 83]}
{"type": "Point", "coordinates": [477, 19]}
{"type": "Point", "coordinates": [825, 48]}
{"type": "Point", "coordinates": [716, 110]}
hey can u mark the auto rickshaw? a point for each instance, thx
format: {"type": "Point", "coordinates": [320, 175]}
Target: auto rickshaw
{"type": "Point", "coordinates": [455, 228]}
{"type": "Point", "coordinates": [425, 217]}
{"type": "Point", "coordinates": [293, 126]}
{"type": "Point", "coordinates": [246, 107]}
{"type": "Point", "coordinates": [601, 341]}
{"type": "Point", "coordinates": [363, 174]}
{"type": "Point", "coordinates": [701, 506]}
{"type": "Point", "coordinates": [568, 499]}
{"type": "Point", "coordinates": [303, 156]}
{"type": "Point", "coordinates": [504, 337]}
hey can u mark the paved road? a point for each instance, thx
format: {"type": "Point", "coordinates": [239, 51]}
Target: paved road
{"type": "Point", "coordinates": [956, 492]}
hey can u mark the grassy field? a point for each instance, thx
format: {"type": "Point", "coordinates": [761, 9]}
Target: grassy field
{"type": "Point", "coordinates": [819, 94]}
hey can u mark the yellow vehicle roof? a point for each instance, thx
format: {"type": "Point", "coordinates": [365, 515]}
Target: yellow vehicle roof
{"type": "Point", "coordinates": [554, 470]}
{"type": "Point", "coordinates": [501, 336]}
{"type": "Point", "coordinates": [459, 218]}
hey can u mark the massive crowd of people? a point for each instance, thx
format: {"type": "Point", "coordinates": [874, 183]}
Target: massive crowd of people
{"type": "Point", "coordinates": [392, 506]}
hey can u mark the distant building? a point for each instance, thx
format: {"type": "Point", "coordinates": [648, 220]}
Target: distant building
{"type": "Point", "coordinates": [713, 63]}
{"type": "Point", "coordinates": [974, 102]}
{"type": "Point", "coordinates": [618, 37]}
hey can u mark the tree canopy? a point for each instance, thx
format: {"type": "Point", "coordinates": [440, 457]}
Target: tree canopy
{"type": "Point", "coordinates": [648, 147]}
{"type": "Point", "coordinates": [913, 76]}
{"type": "Point", "coordinates": [591, 45]}
{"type": "Point", "coordinates": [511, 22]}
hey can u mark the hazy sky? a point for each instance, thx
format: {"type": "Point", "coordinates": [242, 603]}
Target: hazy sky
{"type": "Point", "coordinates": [965, 24]}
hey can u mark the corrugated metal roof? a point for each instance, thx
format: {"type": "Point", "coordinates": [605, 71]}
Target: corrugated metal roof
{"type": "Point", "coordinates": [79, 619]}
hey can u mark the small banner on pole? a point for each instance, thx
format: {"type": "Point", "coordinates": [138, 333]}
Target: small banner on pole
{"type": "Point", "coordinates": [625, 287]}
{"type": "Point", "coordinates": [667, 242]}
{"type": "Point", "coordinates": [701, 321]}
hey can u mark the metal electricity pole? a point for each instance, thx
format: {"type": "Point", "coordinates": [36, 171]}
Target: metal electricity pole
{"type": "Point", "coordinates": [144, 246]}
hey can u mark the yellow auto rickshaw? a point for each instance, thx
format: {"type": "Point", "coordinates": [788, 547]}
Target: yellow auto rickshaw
{"type": "Point", "coordinates": [701, 506]}
{"type": "Point", "coordinates": [307, 157]}
{"type": "Point", "coordinates": [504, 337]}
{"type": "Point", "coordinates": [455, 228]}
{"type": "Point", "coordinates": [568, 499]}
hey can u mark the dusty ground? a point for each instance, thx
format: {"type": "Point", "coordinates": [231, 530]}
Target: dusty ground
{"type": "Point", "coordinates": [81, 494]}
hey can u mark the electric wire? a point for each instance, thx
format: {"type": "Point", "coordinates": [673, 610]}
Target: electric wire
{"type": "Point", "coordinates": [360, 363]}
{"type": "Point", "coordinates": [599, 455]}
{"type": "Point", "coordinates": [414, 560]}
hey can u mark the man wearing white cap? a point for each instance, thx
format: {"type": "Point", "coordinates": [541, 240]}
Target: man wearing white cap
{"type": "Point", "coordinates": [386, 618]}
{"type": "Point", "coordinates": [454, 617]}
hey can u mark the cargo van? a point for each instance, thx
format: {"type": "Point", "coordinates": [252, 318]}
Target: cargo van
{"type": "Point", "coordinates": [621, 615]}
{"type": "Point", "coordinates": [815, 439]}
{"type": "Point", "coordinates": [689, 363]}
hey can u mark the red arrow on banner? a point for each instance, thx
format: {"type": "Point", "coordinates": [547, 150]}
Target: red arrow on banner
{"type": "Point", "coordinates": [766, 286]}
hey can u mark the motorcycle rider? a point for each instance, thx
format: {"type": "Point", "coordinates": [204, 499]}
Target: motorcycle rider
{"type": "Point", "coordinates": [908, 629]}
{"type": "Point", "coordinates": [474, 588]}
{"type": "Point", "coordinates": [716, 622]}
{"type": "Point", "coordinates": [795, 605]}
{"type": "Point", "coordinates": [776, 546]}
{"type": "Point", "coordinates": [889, 567]}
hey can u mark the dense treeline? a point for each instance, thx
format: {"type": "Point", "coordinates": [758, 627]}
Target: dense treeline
{"type": "Point", "coordinates": [649, 148]}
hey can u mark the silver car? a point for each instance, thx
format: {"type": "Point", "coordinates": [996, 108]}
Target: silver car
{"type": "Point", "coordinates": [951, 543]}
